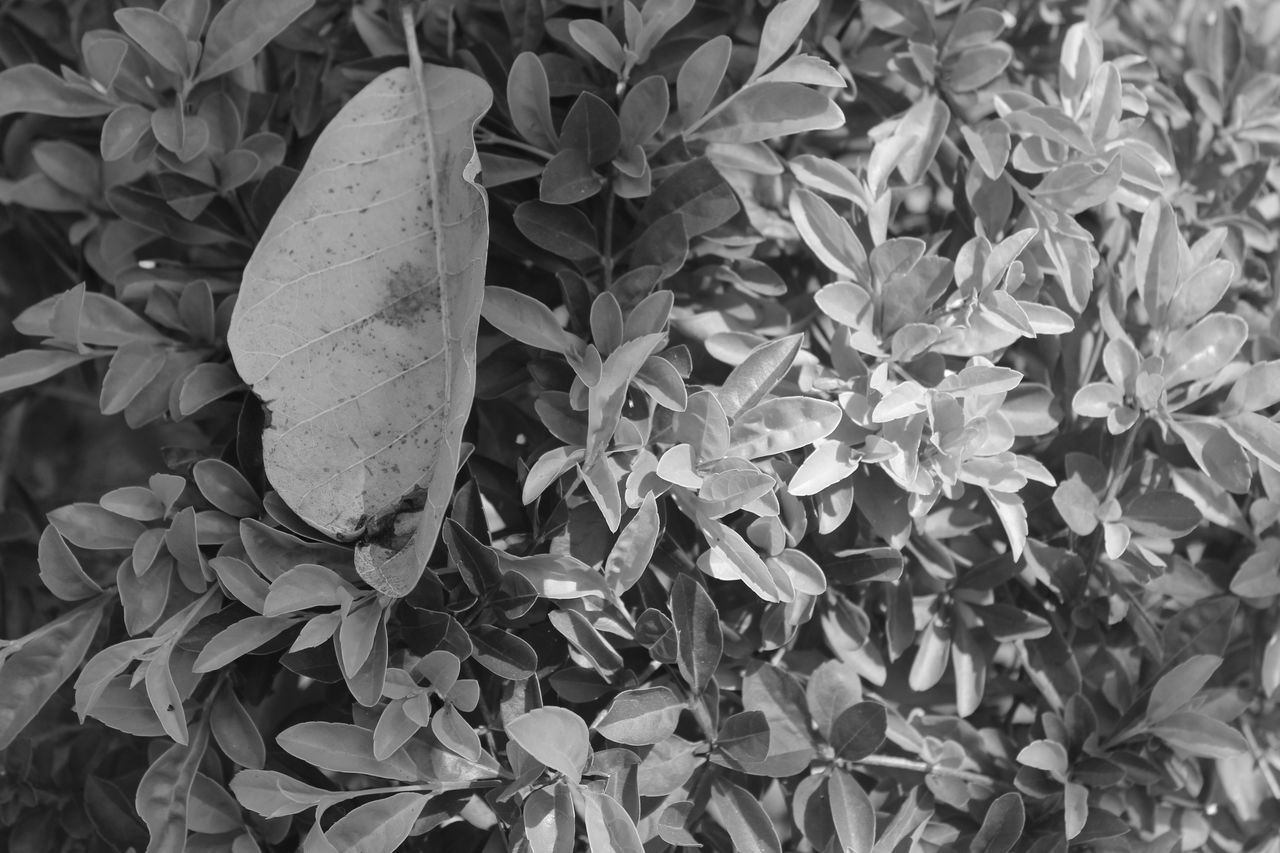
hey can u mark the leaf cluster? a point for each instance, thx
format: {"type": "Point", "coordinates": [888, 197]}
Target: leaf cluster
{"type": "Point", "coordinates": [873, 443]}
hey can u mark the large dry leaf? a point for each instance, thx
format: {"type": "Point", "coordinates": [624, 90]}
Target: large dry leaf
{"type": "Point", "coordinates": [356, 321]}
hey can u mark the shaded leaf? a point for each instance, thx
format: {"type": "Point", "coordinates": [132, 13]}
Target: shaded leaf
{"type": "Point", "coordinates": [44, 659]}
{"type": "Point", "coordinates": [1179, 686]}
{"type": "Point", "coordinates": [743, 818]}
{"type": "Point", "coordinates": [1162, 513]}
{"type": "Point", "coordinates": [242, 28]}
{"type": "Point", "coordinates": [60, 571]}
{"type": "Point", "coordinates": [1200, 735]}
{"type": "Point", "coordinates": [1002, 826]}
{"type": "Point", "coordinates": [744, 738]}
{"type": "Point", "coordinates": [858, 730]}
{"type": "Point", "coordinates": [164, 792]}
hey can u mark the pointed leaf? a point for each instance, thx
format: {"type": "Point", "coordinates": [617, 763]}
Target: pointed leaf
{"type": "Point", "coordinates": [1002, 827]}
{"type": "Point", "coordinates": [1204, 349]}
{"type": "Point", "coordinates": [28, 367]}
{"type": "Point", "coordinates": [343, 748]}
{"type": "Point", "coordinates": [609, 827]}
{"type": "Point", "coordinates": [46, 658]}
{"type": "Point", "coordinates": [698, 633]}
{"type": "Point", "coordinates": [165, 791]}
{"type": "Point", "coordinates": [768, 110]}
{"type": "Point", "coordinates": [758, 373]}
{"type": "Point", "coordinates": [1179, 686]}
{"type": "Point", "coordinates": [852, 813]}
{"type": "Point", "coordinates": [1157, 258]}
{"type": "Point", "coordinates": [742, 816]}
{"type": "Point", "coordinates": [1200, 735]}
{"type": "Point", "coordinates": [781, 29]}
{"type": "Point", "coordinates": [242, 28]}
{"type": "Point", "coordinates": [829, 235]}
{"type": "Point", "coordinates": [782, 424]}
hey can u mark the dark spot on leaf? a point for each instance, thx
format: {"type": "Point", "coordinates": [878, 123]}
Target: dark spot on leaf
{"type": "Point", "coordinates": [411, 293]}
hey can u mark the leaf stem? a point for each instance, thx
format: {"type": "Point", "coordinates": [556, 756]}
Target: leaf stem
{"type": "Point", "coordinates": [1119, 464]}
{"type": "Point", "coordinates": [486, 137]}
{"type": "Point", "coordinates": [911, 764]}
{"type": "Point", "coordinates": [411, 40]}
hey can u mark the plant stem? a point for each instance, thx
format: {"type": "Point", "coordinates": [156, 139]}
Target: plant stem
{"type": "Point", "coordinates": [11, 435]}
{"type": "Point", "coordinates": [411, 40]}
{"type": "Point", "coordinates": [1264, 766]}
{"type": "Point", "coordinates": [924, 767]}
{"type": "Point", "coordinates": [484, 137]}
{"type": "Point", "coordinates": [606, 250]}
{"type": "Point", "coordinates": [1119, 464]}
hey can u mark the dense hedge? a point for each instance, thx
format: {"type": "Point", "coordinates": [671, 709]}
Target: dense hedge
{"type": "Point", "coordinates": [871, 446]}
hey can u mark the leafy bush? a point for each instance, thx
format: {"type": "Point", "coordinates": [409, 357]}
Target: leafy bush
{"type": "Point", "coordinates": [864, 440]}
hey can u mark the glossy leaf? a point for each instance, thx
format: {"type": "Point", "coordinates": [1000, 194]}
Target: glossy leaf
{"type": "Point", "coordinates": [852, 813]}
{"type": "Point", "coordinates": [273, 794]}
{"type": "Point", "coordinates": [698, 633]}
{"type": "Point", "coordinates": [609, 827]}
{"type": "Point", "coordinates": [1204, 349]}
{"type": "Point", "coordinates": [743, 818]}
{"type": "Point", "coordinates": [641, 717]}
{"type": "Point", "coordinates": [548, 817]}
{"type": "Point", "coordinates": [554, 736]}
{"type": "Point", "coordinates": [343, 748]}
{"type": "Point", "coordinates": [781, 424]}
{"type": "Point", "coordinates": [829, 235]}
{"type": "Point", "coordinates": [379, 826]}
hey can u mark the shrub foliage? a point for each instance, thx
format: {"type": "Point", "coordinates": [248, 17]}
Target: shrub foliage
{"type": "Point", "coordinates": [862, 418]}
